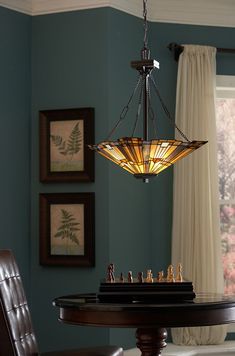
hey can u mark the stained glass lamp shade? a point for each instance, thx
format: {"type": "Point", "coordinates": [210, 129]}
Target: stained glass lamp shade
{"type": "Point", "coordinates": [145, 159]}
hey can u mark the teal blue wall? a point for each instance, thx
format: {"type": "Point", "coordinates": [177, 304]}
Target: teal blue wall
{"type": "Point", "coordinates": [15, 88]}
{"type": "Point", "coordinates": [81, 59]}
{"type": "Point", "coordinates": [69, 70]}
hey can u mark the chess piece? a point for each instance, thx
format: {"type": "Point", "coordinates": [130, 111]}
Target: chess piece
{"type": "Point", "coordinates": [121, 279]}
{"type": "Point", "coordinates": [140, 277]}
{"type": "Point", "coordinates": [130, 278]}
{"type": "Point", "coordinates": [170, 274]}
{"type": "Point", "coordinates": [110, 277]}
{"type": "Point", "coordinates": [179, 277]}
{"type": "Point", "coordinates": [160, 276]}
{"type": "Point", "coordinates": [149, 278]}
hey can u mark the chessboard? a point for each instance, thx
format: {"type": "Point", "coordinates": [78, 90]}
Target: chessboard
{"type": "Point", "coordinates": [149, 289]}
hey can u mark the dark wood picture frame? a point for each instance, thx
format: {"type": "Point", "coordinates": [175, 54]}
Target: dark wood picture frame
{"type": "Point", "coordinates": [73, 244]}
{"type": "Point", "coordinates": [64, 152]}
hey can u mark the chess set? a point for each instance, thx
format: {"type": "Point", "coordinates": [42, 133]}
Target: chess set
{"type": "Point", "coordinates": [146, 289]}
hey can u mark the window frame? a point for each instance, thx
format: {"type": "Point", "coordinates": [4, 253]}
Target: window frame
{"type": "Point", "coordinates": [225, 86]}
{"type": "Point", "coordinates": [225, 89]}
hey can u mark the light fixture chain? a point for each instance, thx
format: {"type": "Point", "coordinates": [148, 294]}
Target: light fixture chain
{"type": "Point", "coordinates": [125, 109]}
{"type": "Point", "coordinates": [145, 23]}
{"type": "Point", "coordinates": [166, 110]}
{"type": "Point", "coordinates": [139, 106]}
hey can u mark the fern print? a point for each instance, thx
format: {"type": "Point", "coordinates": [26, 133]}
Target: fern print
{"type": "Point", "coordinates": [59, 143]}
{"type": "Point", "coordinates": [72, 145]}
{"type": "Point", "coordinates": [74, 141]}
{"type": "Point", "coordinates": [68, 227]}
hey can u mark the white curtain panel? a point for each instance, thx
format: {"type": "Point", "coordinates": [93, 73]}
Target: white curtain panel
{"type": "Point", "coordinates": [196, 231]}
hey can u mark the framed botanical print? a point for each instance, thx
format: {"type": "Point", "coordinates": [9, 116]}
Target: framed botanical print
{"type": "Point", "coordinates": [67, 233]}
{"type": "Point", "coordinates": [64, 138]}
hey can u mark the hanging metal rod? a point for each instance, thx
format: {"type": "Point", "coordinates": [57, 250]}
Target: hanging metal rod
{"type": "Point", "coordinates": [178, 49]}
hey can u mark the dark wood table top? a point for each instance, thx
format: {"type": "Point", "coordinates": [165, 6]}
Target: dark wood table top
{"type": "Point", "coordinates": [205, 309]}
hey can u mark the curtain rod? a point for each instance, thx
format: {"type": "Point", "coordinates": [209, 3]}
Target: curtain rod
{"type": "Point", "coordinates": [178, 49]}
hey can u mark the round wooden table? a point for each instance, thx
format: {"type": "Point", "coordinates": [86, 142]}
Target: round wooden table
{"type": "Point", "coordinates": [149, 319]}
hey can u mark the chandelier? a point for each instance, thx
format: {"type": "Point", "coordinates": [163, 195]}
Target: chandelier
{"type": "Point", "coordinates": [141, 156]}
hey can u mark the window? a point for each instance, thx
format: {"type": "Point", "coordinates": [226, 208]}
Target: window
{"type": "Point", "coordinates": [225, 108]}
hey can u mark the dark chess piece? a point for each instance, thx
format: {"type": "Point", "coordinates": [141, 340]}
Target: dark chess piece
{"type": "Point", "coordinates": [111, 277]}
{"type": "Point", "coordinates": [140, 277]}
{"type": "Point", "coordinates": [121, 279]}
{"type": "Point", "coordinates": [130, 278]}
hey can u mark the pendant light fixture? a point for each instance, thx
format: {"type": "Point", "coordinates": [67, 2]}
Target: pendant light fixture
{"type": "Point", "coordinates": [143, 157]}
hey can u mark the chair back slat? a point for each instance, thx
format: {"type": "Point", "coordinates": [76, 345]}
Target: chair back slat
{"type": "Point", "coordinates": [17, 329]}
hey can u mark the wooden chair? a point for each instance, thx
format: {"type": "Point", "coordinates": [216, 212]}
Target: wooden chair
{"type": "Point", "coordinates": [17, 337]}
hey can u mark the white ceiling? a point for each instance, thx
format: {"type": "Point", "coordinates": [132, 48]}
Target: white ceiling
{"type": "Point", "coordinates": [198, 12]}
